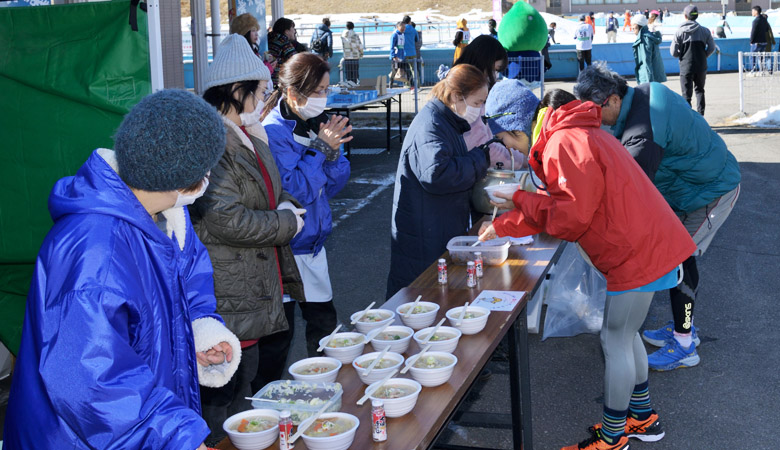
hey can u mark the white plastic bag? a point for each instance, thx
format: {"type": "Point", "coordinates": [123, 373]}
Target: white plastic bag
{"type": "Point", "coordinates": [575, 301]}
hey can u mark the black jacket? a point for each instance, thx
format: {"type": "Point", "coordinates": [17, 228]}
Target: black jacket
{"type": "Point", "coordinates": [759, 30]}
{"type": "Point", "coordinates": [692, 45]}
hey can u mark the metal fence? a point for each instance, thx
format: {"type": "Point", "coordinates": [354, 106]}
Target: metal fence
{"type": "Point", "coordinates": [759, 81]}
{"type": "Point", "coordinates": [423, 73]}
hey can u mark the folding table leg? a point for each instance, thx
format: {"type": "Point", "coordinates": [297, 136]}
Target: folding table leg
{"type": "Point", "coordinates": [520, 383]}
{"type": "Point", "coordinates": [388, 104]}
{"type": "Point", "coordinates": [400, 123]}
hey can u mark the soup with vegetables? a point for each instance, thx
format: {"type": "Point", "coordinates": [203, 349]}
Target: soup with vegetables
{"type": "Point", "coordinates": [254, 424]}
{"type": "Point", "coordinates": [470, 315]}
{"type": "Point", "coordinates": [382, 364]}
{"type": "Point", "coordinates": [432, 362]}
{"type": "Point", "coordinates": [338, 342]}
{"type": "Point", "coordinates": [314, 369]}
{"type": "Point", "coordinates": [391, 336]}
{"type": "Point", "coordinates": [394, 391]}
{"type": "Point", "coordinates": [329, 427]}
{"type": "Point", "coordinates": [373, 317]}
{"type": "Point", "coordinates": [419, 309]}
{"type": "Point", "coordinates": [437, 337]}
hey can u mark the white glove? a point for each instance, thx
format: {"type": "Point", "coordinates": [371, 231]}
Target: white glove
{"type": "Point", "coordinates": [299, 212]}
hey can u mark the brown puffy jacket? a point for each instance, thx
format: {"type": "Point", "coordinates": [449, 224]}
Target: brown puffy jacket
{"type": "Point", "coordinates": [234, 221]}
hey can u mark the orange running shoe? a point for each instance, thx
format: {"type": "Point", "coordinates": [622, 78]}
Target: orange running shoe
{"type": "Point", "coordinates": [648, 430]}
{"type": "Point", "coordinates": [596, 442]}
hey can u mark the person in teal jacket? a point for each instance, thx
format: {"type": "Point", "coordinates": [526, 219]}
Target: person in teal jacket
{"type": "Point", "coordinates": [647, 55]}
{"type": "Point", "coordinates": [691, 167]}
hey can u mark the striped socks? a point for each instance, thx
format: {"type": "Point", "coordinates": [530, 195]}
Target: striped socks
{"type": "Point", "coordinates": [613, 425]}
{"type": "Point", "coordinates": [639, 407]}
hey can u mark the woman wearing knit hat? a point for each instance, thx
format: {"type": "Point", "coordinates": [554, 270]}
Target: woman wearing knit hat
{"type": "Point", "coordinates": [120, 325]}
{"type": "Point", "coordinates": [246, 25]}
{"type": "Point", "coordinates": [307, 147]}
{"type": "Point", "coordinates": [647, 55]}
{"type": "Point", "coordinates": [246, 220]}
{"type": "Point", "coordinates": [597, 196]}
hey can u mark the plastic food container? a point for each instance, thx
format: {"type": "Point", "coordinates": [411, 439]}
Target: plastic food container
{"type": "Point", "coordinates": [396, 345]}
{"type": "Point", "coordinates": [326, 377]}
{"type": "Point", "coordinates": [397, 407]}
{"type": "Point", "coordinates": [436, 376]}
{"type": "Point", "coordinates": [494, 252]}
{"type": "Point", "coordinates": [385, 316]}
{"type": "Point", "coordinates": [377, 373]}
{"type": "Point", "coordinates": [302, 398]}
{"type": "Point", "coordinates": [417, 321]}
{"type": "Point", "coordinates": [345, 354]}
{"type": "Point", "coordinates": [255, 440]}
{"type": "Point", "coordinates": [508, 188]}
{"type": "Point", "coordinates": [446, 346]}
{"type": "Point", "coordinates": [340, 441]}
{"type": "Point", "coordinates": [469, 326]}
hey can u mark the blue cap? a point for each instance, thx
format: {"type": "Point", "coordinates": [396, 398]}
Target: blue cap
{"type": "Point", "coordinates": [510, 106]}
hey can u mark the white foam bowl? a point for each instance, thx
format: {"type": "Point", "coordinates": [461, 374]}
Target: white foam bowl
{"type": "Point", "coordinates": [365, 327]}
{"type": "Point", "coordinates": [508, 188]}
{"type": "Point", "coordinates": [340, 441]}
{"type": "Point", "coordinates": [397, 407]}
{"type": "Point", "coordinates": [437, 376]}
{"type": "Point", "coordinates": [345, 354]}
{"type": "Point", "coordinates": [447, 346]}
{"type": "Point", "coordinates": [376, 374]}
{"type": "Point", "coordinates": [327, 377]}
{"type": "Point", "coordinates": [252, 441]}
{"type": "Point", "coordinates": [469, 326]}
{"type": "Point", "coordinates": [418, 321]}
{"type": "Point", "coordinates": [396, 346]}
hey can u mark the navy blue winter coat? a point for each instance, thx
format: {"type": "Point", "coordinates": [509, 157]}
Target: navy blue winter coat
{"type": "Point", "coordinates": [433, 183]}
{"type": "Point", "coordinates": [107, 359]}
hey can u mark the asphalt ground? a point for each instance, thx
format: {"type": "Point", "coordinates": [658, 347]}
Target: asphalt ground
{"type": "Point", "coordinates": [728, 401]}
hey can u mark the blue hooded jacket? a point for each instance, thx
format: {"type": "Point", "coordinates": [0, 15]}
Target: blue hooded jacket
{"type": "Point", "coordinates": [688, 162]}
{"type": "Point", "coordinates": [107, 358]}
{"type": "Point", "coordinates": [308, 177]}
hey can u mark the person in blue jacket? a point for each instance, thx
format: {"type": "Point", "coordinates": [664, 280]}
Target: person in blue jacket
{"type": "Point", "coordinates": [692, 168]}
{"type": "Point", "coordinates": [410, 49]}
{"type": "Point", "coordinates": [436, 172]}
{"type": "Point", "coordinates": [120, 324]}
{"type": "Point", "coordinates": [648, 63]}
{"type": "Point", "coordinates": [397, 54]}
{"type": "Point", "coordinates": [306, 145]}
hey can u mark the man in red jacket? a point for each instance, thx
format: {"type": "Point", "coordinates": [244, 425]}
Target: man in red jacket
{"type": "Point", "coordinates": [597, 196]}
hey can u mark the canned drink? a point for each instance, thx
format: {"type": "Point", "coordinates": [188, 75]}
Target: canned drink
{"type": "Point", "coordinates": [378, 421]}
{"type": "Point", "coordinates": [472, 274]}
{"type": "Point", "coordinates": [478, 263]}
{"type": "Point", "coordinates": [285, 430]}
{"type": "Point", "coordinates": [442, 271]}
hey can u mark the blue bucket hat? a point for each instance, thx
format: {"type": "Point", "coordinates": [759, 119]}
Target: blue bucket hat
{"type": "Point", "coordinates": [510, 106]}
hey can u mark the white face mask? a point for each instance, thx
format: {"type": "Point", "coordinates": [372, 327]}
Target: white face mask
{"type": "Point", "coordinates": [249, 119]}
{"type": "Point", "coordinates": [314, 107]}
{"type": "Point", "coordinates": [188, 199]}
{"type": "Point", "coordinates": [472, 114]}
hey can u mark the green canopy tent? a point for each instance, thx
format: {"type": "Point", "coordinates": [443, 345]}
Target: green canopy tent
{"type": "Point", "coordinates": [68, 74]}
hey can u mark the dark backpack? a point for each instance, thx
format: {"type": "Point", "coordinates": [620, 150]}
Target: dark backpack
{"type": "Point", "coordinates": [319, 46]}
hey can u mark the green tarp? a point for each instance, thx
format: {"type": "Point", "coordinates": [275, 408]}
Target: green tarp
{"type": "Point", "coordinates": [68, 74]}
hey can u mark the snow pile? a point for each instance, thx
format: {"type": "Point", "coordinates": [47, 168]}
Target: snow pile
{"type": "Point", "coordinates": [768, 118]}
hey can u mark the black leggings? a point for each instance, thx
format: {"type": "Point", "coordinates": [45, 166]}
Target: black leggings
{"type": "Point", "coordinates": [683, 296]}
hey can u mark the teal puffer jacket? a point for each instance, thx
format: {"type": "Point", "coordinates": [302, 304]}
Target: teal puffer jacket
{"type": "Point", "coordinates": [647, 56]}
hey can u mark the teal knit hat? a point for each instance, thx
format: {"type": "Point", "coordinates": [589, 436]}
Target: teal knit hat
{"type": "Point", "coordinates": [169, 141]}
{"type": "Point", "coordinates": [235, 61]}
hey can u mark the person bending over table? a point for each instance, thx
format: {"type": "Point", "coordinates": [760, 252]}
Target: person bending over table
{"type": "Point", "coordinates": [436, 171]}
{"type": "Point", "coordinates": [599, 198]}
{"type": "Point", "coordinates": [120, 324]}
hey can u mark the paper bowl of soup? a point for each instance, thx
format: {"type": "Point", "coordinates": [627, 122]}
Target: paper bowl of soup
{"type": "Point", "coordinates": [399, 394]}
{"type": "Point", "coordinates": [320, 369]}
{"type": "Point", "coordinates": [373, 318]}
{"type": "Point", "coordinates": [388, 363]}
{"type": "Point", "coordinates": [445, 339]}
{"type": "Point", "coordinates": [433, 368]}
{"type": "Point", "coordinates": [421, 316]}
{"type": "Point", "coordinates": [331, 431]}
{"type": "Point", "coordinates": [344, 346]}
{"type": "Point", "coordinates": [254, 429]}
{"type": "Point", "coordinates": [397, 337]}
{"type": "Point", "coordinates": [473, 321]}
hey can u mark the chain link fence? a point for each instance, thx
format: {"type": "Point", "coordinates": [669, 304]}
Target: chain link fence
{"type": "Point", "coordinates": [759, 81]}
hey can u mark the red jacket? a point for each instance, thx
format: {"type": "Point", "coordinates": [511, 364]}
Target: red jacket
{"type": "Point", "coordinates": [600, 198]}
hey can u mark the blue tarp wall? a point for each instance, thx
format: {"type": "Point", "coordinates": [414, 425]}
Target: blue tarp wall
{"type": "Point", "coordinates": [620, 58]}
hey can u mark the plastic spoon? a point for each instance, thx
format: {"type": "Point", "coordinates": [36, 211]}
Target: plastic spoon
{"type": "Point", "coordinates": [411, 308]}
{"type": "Point", "coordinates": [462, 314]}
{"type": "Point", "coordinates": [370, 392]}
{"type": "Point", "coordinates": [375, 332]}
{"type": "Point", "coordinates": [327, 341]}
{"type": "Point", "coordinates": [415, 358]}
{"type": "Point", "coordinates": [360, 316]}
{"type": "Point", "coordinates": [435, 329]}
{"type": "Point", "coordinates": [376, 361]}
{"type": "Point", "coordinates": [307, 423]}
{"type": "Point", "coordinates": [262, 399]}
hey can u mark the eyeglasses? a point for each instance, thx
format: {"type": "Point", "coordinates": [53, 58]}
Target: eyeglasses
{"type": "Point", "coordinates": [605, 102]}
{"type": "Point", "coordinates": [495, 116]}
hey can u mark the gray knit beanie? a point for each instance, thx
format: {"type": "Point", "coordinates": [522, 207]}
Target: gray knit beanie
{"type": "Point", "coordinates": [169, 141]}
{"type": "Point", "coordinates": [235, 61]}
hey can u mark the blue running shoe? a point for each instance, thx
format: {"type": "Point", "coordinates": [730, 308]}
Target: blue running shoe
{"type": "Point", "coordinates": [661, 336]}
{"type": "Point", "coordinates": [672, 356]}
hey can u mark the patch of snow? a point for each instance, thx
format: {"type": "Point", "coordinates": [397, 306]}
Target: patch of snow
{"type": "Point", "coordinates": [768, 118]}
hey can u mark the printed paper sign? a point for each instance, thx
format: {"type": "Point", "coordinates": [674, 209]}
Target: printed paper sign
{"type": "Point", "coordinates": [499, 300]}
